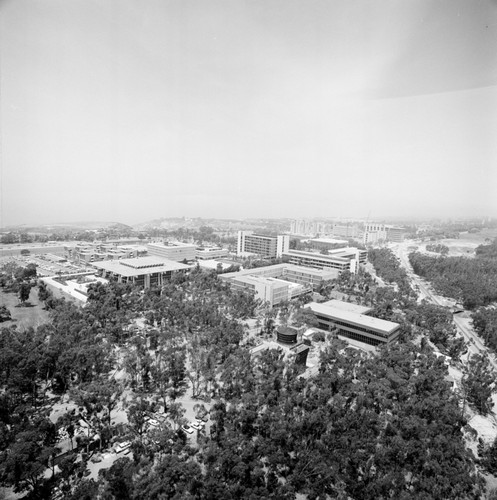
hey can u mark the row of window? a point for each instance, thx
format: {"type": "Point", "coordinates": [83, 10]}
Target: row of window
{"type": "Point", "coordinates": [355, 327]}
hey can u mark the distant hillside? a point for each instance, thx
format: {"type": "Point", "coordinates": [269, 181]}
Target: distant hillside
{"type": "Point", "coordinates": [67, 226]}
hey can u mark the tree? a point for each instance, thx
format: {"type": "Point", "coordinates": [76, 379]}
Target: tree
{"type": "Point", "coordinates": [4, 314]}
{"type": "Point", "coordinates": [24, 464]}
{"type": "Point", "coordinates": [478, 383]}
{"type": "Point", "coordinates": [24, 291]}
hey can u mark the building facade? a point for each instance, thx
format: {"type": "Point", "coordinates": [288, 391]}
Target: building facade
{"type": "Point", "coordinates": [176, 251]}
{"type": "Point", "coordinates": [341, 259]}
{"type": "Point", "coordinates": [262, 245]}
{"type": "Point", "coordinates": [208, 253]}
{"type": "Point", "coordinates": [353, 322]}
{"type": "Point", "coordinates": [376, 233]}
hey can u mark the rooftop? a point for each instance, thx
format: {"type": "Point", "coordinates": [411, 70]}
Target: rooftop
{"type": "Point", "coordinates": [317, 255]}
{"type": "Point", "coordinates": [325, 273]}
{"type": "Point", "coordinates": [347, 306]}
{"type": "Point", "coordinates": [171, 244]}
{"type": "Point", "coordinates": [140, 266]}
{"type": "Point", "coordinates": [329, 241]}
{"type": "Point", "coordinates": [338, 314]}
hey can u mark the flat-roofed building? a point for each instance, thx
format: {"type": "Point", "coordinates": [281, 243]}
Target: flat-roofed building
{"type": "Point", "coordinates": [262, 245]}
{"type": "Point", "coordinates": [375, 233]}
{"type": "Point", "coordinates": [270, 290]}
{"type": "Point", "coordinates": [341, 259]}
{"type": "Point", "coordinates": [86, 252]}
{"type": "Point", "coordinates": [327, 243]}
{"type": "Point", "coordinates": [142, 271]}
{"type": "Point", "coordinates": [361, 256]}
{"type": "Point", "coordinates": [306, 276]}
{"type": "Point", "coordinates": [349, 322]}
{"type": "Point", "coordinates": [347, 306]}
{"type": "Point", "coordinates": [208, 253]}
{"type": "Point", "coordinates": [346, 230]}
{"type": "Point", "coordinates": [172, 250]}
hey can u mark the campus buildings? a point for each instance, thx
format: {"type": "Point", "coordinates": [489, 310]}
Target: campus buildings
{"type": "Point", "coordinates": [86, 253]}
{"type": "Point", "coordinates": [261, 245]}
{"type": "Point", "coordinates": [278, 283]}
{"type": "Point", "coordinates": [314, 228]}
{"type": "Point", "coordinates": [354, 322]}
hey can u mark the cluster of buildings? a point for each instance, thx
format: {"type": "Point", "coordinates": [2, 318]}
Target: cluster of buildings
{"type": "Point", "coordinates": [368, 233]}
{"type": "Point", "coordinates": [308, 227]}
{"type": "Point", "coordinates": [300, 272]}
{"type": "Point", "coordinates": [278, 283]}
{"type": "Point", "coordinates": [85, 252]}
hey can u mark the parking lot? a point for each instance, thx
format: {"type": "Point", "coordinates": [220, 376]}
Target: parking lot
{"type": "Point", "coordinates": [46, 264]}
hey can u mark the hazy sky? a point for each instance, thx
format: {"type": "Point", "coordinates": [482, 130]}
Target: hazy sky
{"type": "Point", "coordinates": [128, 110]}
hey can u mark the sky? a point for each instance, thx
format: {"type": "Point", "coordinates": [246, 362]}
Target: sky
{"type": "Point", "coordinates": [131, 110]}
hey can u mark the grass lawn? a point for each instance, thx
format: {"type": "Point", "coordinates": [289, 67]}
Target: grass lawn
{"type": "Point", "coordinates": [24, 317]}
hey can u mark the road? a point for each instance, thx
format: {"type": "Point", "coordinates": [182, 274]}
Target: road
{"type": "Point", "coordinates": [475, 345]}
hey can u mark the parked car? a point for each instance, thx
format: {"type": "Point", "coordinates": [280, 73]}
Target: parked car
{"type": "Point", "coordinates": [187, 429]}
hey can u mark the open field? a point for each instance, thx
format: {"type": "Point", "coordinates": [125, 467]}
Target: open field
{"type": "Point", "coordinates": [24, 317]}
{"type": "Point", "coordinates": [467, 242]}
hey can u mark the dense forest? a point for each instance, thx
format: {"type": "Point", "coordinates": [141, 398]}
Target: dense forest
{"type": "Point", "coordinates": [485, 324]}
{"type": "Point", "coordinates": [388, 268]}
{"type": "Point", "coordinates": [385, 425]}
{"type": "Point", "coordinates": [471, 281]}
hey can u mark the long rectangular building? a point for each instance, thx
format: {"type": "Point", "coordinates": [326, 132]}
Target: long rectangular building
{"type": "Point", "coordinates": [289, 272]}
{"type": "Point", "coordinates": [342, 259]}
{"type": "Point", "coordinates": [352, 322]}
{"type": "Point", "coordinates": [274, 284]}
{"type": "Point", "coordinates": [176, 251]}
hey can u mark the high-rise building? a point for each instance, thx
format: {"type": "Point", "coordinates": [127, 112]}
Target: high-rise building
{"type": "Point", "coordinates": [262, 245]}
{"type": "Point", "coordinates": [309, 227]}
{"type": "Point", "coordinates": [375, 233]}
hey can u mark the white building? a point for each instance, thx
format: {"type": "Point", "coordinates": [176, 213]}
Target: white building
{"type": "Point", "coordinates": [262, 245]}
{"type": "Point", "coordinates": [172, 251]}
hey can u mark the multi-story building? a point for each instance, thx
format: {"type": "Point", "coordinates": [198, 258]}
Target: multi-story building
{"type": "Point", "coordinates": [309, 227]}
{"type": "Point", "coordinates": [269, 290]}
{"type": "Point", "coordinates": [346, 231]}
{"type": "Point", "coordinates": [176, 251]}
{"type": "Point", "coordinates": [395, 234]}
{"type": "Point", "coordinates": [342, 259]}
{"type": "Point", "coordinates": [142, 271]}
{"type": "Point", "coordinates": [86, 253]}
{"type": "Point", "coordinates": [353, 322]}
{"type": "Point", "coordinates": [262, 245]}
{"type": "Point", "coordinates": [377, 233]}
{"type": "Point", "coordinates": [268, 283]}
{"type": "Point", "coordinates": [327, 243]}
{"type": "Point", "coordinates": [311, 278]}
{"type": "Point", "coordinates": [207, 253]}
